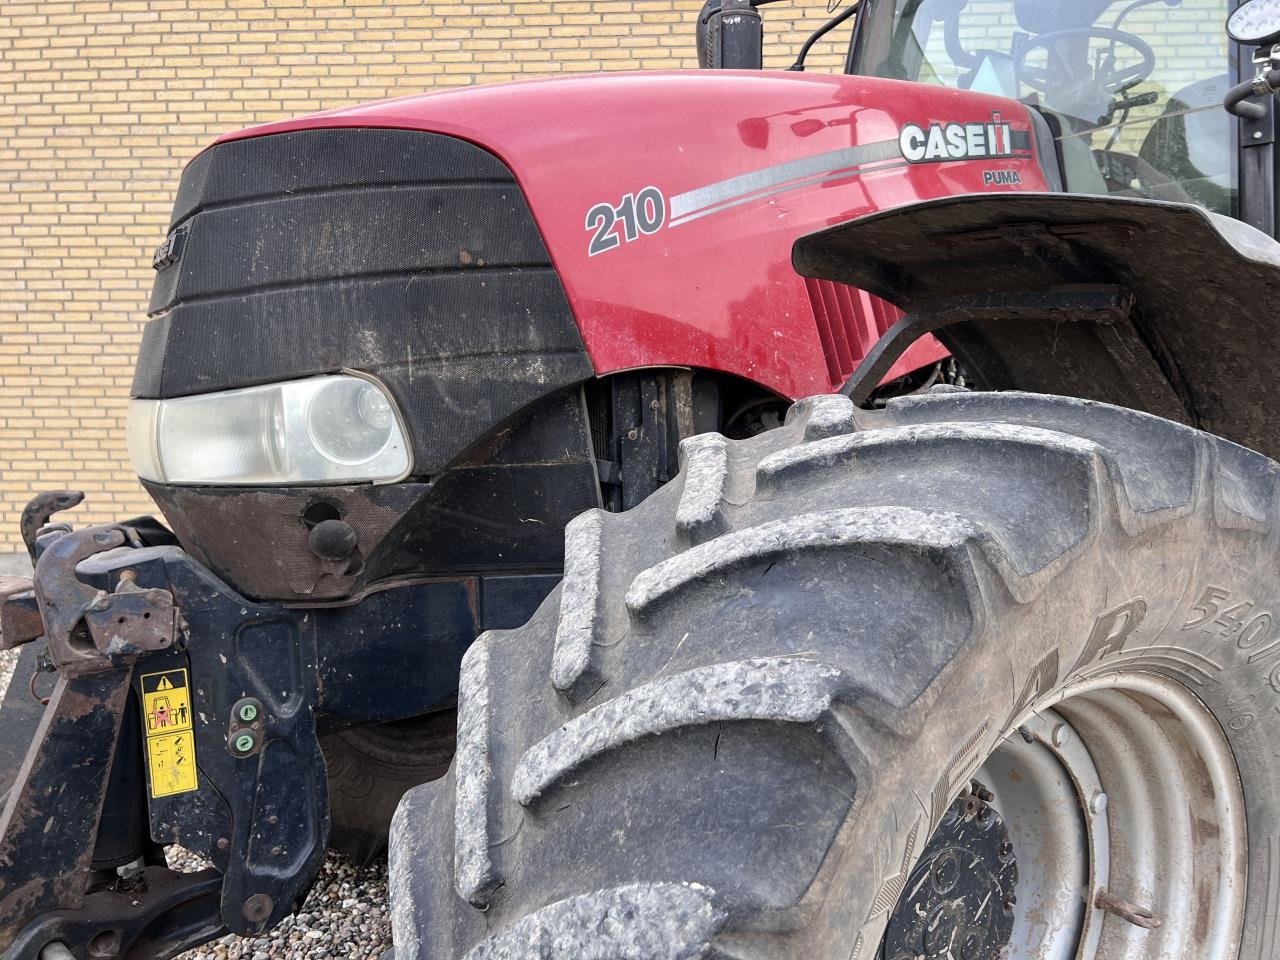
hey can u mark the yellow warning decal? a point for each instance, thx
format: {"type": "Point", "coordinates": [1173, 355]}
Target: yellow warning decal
{"type": "Point", "coordinates": [172, 760]}
{"type": "Point", "coordinates": [171, 743]}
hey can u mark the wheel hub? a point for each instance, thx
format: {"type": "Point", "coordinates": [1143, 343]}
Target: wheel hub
{"type": "Point", "coordinates": [1121, 798]}
{"type": "Point", "coordinates": [958, 902]}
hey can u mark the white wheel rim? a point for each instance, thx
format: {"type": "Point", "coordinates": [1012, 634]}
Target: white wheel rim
{"type": "Point", "coordinates": [1123, 783]}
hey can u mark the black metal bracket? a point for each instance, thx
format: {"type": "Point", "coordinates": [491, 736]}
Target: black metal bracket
{"type": "Point", "coordinates": [259, 811]}
{"type": "Point", "coordinates": [50, 820]}
{"type": "Point", "coordinates": [110, 612]}
{"type": "Point", "coordinates": [1256, 164]}
{"type": "Point", "coordinates": [1090, 304]}
{"type": "Point", "coordinates": [157, 913]}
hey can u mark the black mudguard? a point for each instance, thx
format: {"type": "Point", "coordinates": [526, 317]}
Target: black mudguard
{"type": "Point", "coordinates": [1201, 345]}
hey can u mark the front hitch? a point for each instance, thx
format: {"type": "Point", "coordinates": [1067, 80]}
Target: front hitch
{"type": "Point", "coordinates": [134, 752]}
{"type": "Point", "coordinates": [184, 713]}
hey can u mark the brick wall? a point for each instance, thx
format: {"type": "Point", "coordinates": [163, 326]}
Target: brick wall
{"type": "Point", "coordinates": [103, 101]}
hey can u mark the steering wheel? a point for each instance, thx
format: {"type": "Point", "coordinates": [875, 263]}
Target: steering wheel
{"type": "Point", "coordinates": [1060, 72]}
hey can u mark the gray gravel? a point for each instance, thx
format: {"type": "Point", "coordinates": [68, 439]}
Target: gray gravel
{"type": "Point", "coordinates": [8, 658]}
{"type": "Point", "coordinates": [345, 915]}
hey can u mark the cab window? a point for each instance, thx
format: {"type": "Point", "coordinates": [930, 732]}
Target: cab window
{"type": "Point", "coordinates": [1132, 89]}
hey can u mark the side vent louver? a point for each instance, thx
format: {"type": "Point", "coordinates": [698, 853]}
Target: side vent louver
{"type": "Point", "coordinates": [849, 322]}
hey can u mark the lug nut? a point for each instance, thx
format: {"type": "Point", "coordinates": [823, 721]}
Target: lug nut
{"type": "Point", "coordinates": [1097, 802]}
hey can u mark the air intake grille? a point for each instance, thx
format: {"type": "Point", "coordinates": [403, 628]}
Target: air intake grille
{"type": "Point", "coordinates": [849, 322]}
{"type": "Point", "coordinates": [407, 255]}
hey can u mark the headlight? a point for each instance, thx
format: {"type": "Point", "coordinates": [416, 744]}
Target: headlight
{"type": "Point", "coordinates": [320, 430]}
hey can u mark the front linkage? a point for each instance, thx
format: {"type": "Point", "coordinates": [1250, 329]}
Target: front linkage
{"type": "Point", "coordinates": [184, 713]}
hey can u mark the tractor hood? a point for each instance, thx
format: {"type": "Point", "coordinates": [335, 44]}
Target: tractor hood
{"type": "Point", "coordinates": [480, 254]}
{"type": "Point", "coordinates": [724, 171]}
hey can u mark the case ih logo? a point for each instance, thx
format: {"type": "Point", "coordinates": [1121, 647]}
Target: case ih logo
{"type": "Point", "coordinates": [958, 141]}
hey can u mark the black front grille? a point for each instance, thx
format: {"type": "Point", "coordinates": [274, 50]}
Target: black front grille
{"type": "Point", "coordinates": [410, 256]}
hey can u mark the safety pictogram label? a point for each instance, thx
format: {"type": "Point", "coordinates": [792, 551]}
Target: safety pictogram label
{"type": "Point", "coordinates": [172, 760]}
{"type": "Point", "coordinates": [171, 743]}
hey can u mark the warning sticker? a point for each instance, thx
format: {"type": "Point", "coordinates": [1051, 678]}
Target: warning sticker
{"type": "Point", "coordinates": [172, 759]}
{"type": "Point", "coordinates": [171, 744]}
{"type": "Point", "coordinates": [166, 702]}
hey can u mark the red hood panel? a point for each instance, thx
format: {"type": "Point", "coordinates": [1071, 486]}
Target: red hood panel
{"type": "Point", "coordinates": [724, 171]}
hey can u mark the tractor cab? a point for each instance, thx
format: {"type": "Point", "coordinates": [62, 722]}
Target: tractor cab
{"type": "Point", "coordinates": [1132, 89]}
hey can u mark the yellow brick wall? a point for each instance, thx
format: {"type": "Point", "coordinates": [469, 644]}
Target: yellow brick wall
{"type": "Point", "coordinates": [103, 101]}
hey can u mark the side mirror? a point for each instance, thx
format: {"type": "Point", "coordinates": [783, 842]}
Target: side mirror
{"type": "Point", "coordinates": [1256, 22]}
{"type": "Point", "coordinates": [730, 36]}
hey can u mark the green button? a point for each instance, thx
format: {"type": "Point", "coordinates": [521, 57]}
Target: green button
{"type": "Point", "coordinates": [248, 712]}
{"type": "Point", "coordinates": [244, 743]}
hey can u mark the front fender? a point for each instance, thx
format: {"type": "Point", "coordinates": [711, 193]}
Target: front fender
{"type": "Point", "coordinates": [1200, 346]}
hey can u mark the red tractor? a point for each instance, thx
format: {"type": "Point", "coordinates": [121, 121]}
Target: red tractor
{"type": "Point", "coordinates": [753, 515]}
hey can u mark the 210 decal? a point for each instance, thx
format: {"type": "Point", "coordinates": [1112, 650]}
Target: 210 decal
{"type": "Point", "coordinates": [638, 214]}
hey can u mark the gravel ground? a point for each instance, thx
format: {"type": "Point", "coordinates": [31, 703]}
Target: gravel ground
{"type": "Point", "coordinates": [7, 660]}
{"type": "Point", "coordinates": [345, 916]}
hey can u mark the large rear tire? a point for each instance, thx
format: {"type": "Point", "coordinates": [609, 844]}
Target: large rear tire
{"type": "Point", "coordinates": [734, 728]}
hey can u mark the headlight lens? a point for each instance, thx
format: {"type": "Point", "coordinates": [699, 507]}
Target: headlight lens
{"type": "Point", "coordinates": [320, 430]}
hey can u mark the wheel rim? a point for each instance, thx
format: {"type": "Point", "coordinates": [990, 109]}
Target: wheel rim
{"type": "Point", "coordinates": [1123, 784]}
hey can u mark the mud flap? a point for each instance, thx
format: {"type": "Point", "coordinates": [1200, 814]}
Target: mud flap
{"type": "Point", "coordinates": [1200, 345]}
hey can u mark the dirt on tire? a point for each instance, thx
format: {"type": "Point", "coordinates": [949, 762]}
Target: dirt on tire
{"type": "Point", "coordinates": [731, 730]}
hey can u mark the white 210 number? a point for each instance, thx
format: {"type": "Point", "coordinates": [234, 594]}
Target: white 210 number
{"type": "Point", "coordinates": [639, 214]}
